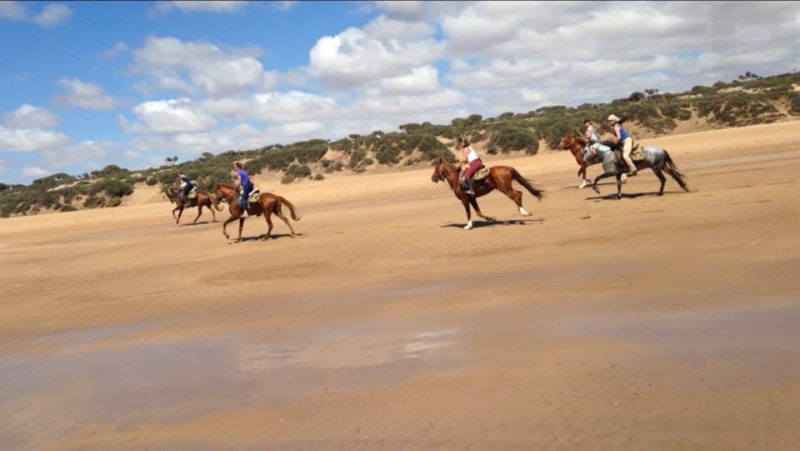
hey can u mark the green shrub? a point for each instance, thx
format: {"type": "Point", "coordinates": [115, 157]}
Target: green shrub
{"type": "Point", "coordinates": [287, 179]}
{"type": "Point", "coordinates": [298, 170]}
{"type": "Point", "coordinates": [319, 177]}
{"type": "Point", "coordinates": [794, 103]}
{"type": "Point", "coordinates": [151, 181]}
{"type": "Point", "coordinates": [355, 158]}
{"type": "Point", "coordinates": [512, 137]}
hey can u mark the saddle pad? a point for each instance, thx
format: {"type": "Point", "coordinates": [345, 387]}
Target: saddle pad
{"type": "Point", "coordinates": [254, 196]}
{"type": "Point", "coordinates": [637, 154]}
{"type": "Point", "coordinates": [192, 194]}
{"type": "Point", "coordinates": [480, 174]}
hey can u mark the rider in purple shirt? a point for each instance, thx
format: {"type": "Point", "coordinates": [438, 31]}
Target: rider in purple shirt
{"type": "Point", "coordinates": [245, 186]}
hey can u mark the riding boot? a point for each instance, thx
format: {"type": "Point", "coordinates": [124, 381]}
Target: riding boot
{"type": "Point", "coordinates": [470, 187]}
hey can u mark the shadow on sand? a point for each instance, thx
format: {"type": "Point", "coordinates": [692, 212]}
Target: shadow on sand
{"type": "Point", "coordinates": [274, 236]}
{"type": "Point", "coordinates": [479, 223]}
{"type": "Point", "coordinates": [613, 196]}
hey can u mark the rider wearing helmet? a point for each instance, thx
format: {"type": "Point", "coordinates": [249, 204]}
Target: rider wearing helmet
{"type": "Point", "coordinates": [186, 186]}
{"type": "Point", "coordinates": [469, 156]}
{"type": "Point", "coordinates": [626, 141]}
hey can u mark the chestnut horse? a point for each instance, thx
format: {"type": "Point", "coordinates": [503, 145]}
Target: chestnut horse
{"type": "Point", "coordinates": [499, 178]}
{"type": "Point", "coordinates": [268, 204]}
{"type": "Point", "coordinates": [203, 199]}
{"type": "Point", "coordinates": [568, 142]}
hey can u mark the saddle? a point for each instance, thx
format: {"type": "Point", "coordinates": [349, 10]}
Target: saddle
{"type": "Point", "coordinates": [192, 194]}
{"type": "Point", "coordinates": [477, 178]}
{"type": "Point", "coordinates": [637, 154]}
{"type": "Point", "coordinates": [254, 196]}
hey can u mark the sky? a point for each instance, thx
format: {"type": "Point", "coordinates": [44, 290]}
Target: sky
{"type": "Point", "coordinates": [87, 84]}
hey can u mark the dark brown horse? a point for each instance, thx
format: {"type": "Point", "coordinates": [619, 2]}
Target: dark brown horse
{"type": "Point", "coordinates": [203, 199]}
{"type": "Point", "coordinates": [268, 204]}
{"type": "Point", "coordinates": [499, 178]}
{"type": "Point", "coordinates": [568, 142]}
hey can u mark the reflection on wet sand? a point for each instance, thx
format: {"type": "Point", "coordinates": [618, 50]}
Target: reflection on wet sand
{"type": "Point", "coordinates": [171, 381]}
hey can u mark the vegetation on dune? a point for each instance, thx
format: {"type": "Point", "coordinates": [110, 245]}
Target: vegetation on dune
{"type": "Point", "coordinates": [748, 100]}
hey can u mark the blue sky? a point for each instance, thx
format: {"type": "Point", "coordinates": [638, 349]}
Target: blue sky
{"type": "Point", "coordinates": [86, 84]}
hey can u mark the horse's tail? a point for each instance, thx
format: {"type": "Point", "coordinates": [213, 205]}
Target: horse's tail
{"type": "Point", "coordinates": [283, 200]}
{"type": "Point", "coordinates": [671, 169]}
{"type": "Point", "coordinates": [522, 181]}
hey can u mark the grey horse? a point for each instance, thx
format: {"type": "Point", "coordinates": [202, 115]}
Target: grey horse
{"type": "Point", "coordinates": [653, 157]}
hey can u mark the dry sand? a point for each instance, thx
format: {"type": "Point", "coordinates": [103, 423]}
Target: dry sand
{"type": "Point", "coordinates": [648, 323]}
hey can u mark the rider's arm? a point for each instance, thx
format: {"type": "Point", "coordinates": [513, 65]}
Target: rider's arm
{"type": "Point", "coordinates": [616, 133]}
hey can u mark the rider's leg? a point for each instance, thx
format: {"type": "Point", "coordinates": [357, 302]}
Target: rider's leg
{"type": "Point", "coordinates": [627, 147]}
{"type": "Point", "coordinates": [243, 202]}
{"type": "Point", "coordinates": [474, 166]}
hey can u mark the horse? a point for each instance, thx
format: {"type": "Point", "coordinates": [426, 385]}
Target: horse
{"type": "Point", "coordinates": [268, 204]}
{"type": "Point", "coordinates": [498, 178]}
{"type": "Point", "coordinates": [203, 199]}
{"type": "Point", "coordinates": [653, 157]}
{"type": "Point", "coordinates": [569, 143]}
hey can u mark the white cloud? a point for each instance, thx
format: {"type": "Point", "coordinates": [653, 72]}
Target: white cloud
{"type": "Point", "coordinates": [421, 80]}
{"type": "Point", "coordinates": [383, 28]}
{"type": "Point", "coordinates": [236, 137]}
{"type": "Point", "coordinates": [27, 139]}
{"type": "Point", "coordinates": [285, 5]}
{"type": "Point", "coordinates": [404, 10]}
{"type": "Point", "coordinates": [53, 14]}
{"type": "Point", "coordinates": [352, 58]}
{"type": "Point", "coordinates": [85, 154]}
{"type": "Point", "coordinates": [172, 116]}
{"type": "Point", "coordinates": [118, 48]}
{"type": "Point", "coordinates": [35, 172]}
{"type": "Point", "coordinates": [29, 116]}
{"type": "Point", "coordinates": [298, 129]}
{"type": "Point", "coordinates": [292, 106]}
{"type": "Point", "coordinates": [162, 8]}
{"type": "Point", "coordinates": [13, 10]}
{"type": "Point", "coordinates": [168, 60]}
{"type": "Point", "coordinates": [80, 94]}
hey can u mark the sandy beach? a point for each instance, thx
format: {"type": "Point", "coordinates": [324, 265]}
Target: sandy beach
{"type": "Point", "coordinates": [646, 323]}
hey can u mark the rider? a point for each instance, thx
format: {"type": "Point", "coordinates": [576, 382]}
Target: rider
{"type": "Point", "coordinates": [626, 141]}
{"type": "Point", "coordinates": [468, 155]}
{"type": "Point", "coordinates": [243, 183]}
{"type": "Point", "coordinates": [186, 186]}
{"type": "Point", "coordinates": [590, 135]}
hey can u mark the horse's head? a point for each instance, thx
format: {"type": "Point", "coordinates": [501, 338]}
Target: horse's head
{"type": "Point", "coordinates": [566, 142]}
{"type": "Point", "coordinates": [440, 171]}
{"type": "Point", "coordinates": [172, 192]}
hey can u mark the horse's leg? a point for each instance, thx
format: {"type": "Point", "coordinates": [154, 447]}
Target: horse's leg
{"type": "Point", "coordinates": [515, 196]}
{"type": "Point", "coordinates": [199, 212]}
{"type": "Point", "coordinates": [279, 213]}
{"type": "Point", "coordinates": [601, 177]}
{"type": "Point", "coordinates": [465, 201]}
{"type": "Point", "coordinates": [619, 185]}
{"type": "Point", "coordinates": [213, 213]}
{"type": "Point", "coordinates": [582, 175]}
{"type": "Point", "coordinates": [180, 212]}
{"type": "Point", "coordinates": [474, 202]}
{"type": "Point", "coordinates": [267, 217]}
{"type": "Point", "coordinates": [661, 178]}
{"type": "Point", "coordinates": [228, 221]}
{"type": "Point", "coordinates": [241, 226]}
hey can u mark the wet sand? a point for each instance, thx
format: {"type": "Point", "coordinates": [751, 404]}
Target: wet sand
{"type": "Point", "coordinates": [658, 323]}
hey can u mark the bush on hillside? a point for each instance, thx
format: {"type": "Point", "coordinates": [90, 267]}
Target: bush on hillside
{"type": "Point", "coordinates": [511, 137]}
